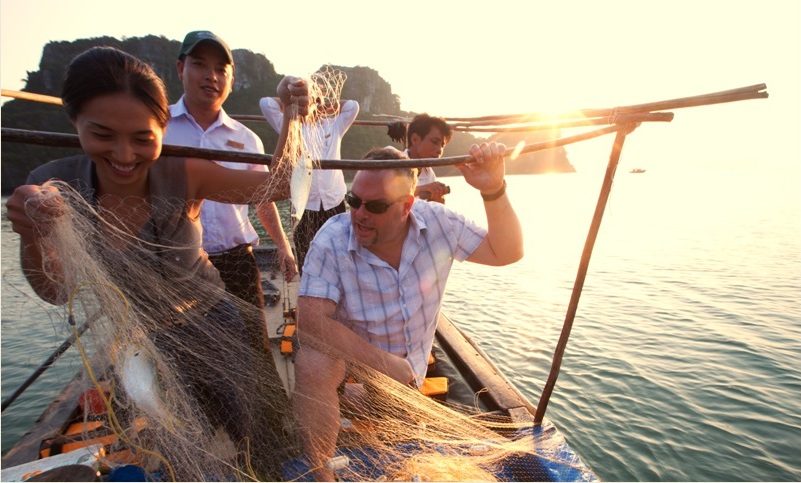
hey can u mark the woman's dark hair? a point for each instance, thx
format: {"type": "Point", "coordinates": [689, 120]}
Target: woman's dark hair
{"type": "Point", "coordinates": [106, 70]}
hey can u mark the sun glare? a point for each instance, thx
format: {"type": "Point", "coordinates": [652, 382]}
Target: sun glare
{"type": "Point", "coordinates": [517, 150]}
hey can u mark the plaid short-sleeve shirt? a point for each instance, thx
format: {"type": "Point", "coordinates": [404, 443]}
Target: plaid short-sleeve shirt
{"type": "Point", "coordinates": [395, 310]}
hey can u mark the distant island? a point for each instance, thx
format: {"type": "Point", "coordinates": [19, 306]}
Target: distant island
{"type": "Point", "coordinates": [255, 78]}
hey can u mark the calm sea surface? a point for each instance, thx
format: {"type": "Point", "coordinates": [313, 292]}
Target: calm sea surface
{"type": "Point", "coordinates": [684, 363]}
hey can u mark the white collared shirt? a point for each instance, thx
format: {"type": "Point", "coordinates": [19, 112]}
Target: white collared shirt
{"type": "Point", "coordinates": [224, 225]}
{"type": "Point", "coordinates": [327, 185]}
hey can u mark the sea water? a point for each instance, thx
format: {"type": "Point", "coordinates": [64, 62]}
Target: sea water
{"type": "Point", "coordinates": [683, 363]}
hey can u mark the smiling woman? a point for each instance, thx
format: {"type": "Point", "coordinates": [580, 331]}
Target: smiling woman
{"type": "Point", "coordinates": [120, 152]}
{"type": "Point", "coordinates": [122, 147]}
{"type": "Point", "coordinates": [117, 229]}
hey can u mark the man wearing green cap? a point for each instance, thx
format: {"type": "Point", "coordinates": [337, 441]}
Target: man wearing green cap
{"type": "Point", "coordinates": [206, 69]}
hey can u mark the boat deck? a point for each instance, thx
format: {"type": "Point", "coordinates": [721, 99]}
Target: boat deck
{"type": "Point", "coordinates": [275, 315]}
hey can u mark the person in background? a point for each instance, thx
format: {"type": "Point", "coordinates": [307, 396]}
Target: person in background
{"type": "Point", "coordinates": [374, 280]}
{"type": "Point", "coordinates": [426, 137]}
{"type": "Point", "coordinates": [327, 193]}
{"type": "Point", "coordinates": [206, 69]}
{"type": "Point", "coordinates": [149, 206]}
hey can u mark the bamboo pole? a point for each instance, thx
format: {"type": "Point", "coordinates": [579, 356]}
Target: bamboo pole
{"type": "Point", "coordinates": [64, 140]}
{"type": "Point", "coordinates": [71, 140]}
{"type": "Point", "coordinates": [572, 308]}
{"type": "Point", "coordinates": [45, 365]}
{"type": "Point", "coordinates": [517, 126]}
{"type": "Point", "coordinates": [29, 96]}
{"type": "Point", "coordinates": [41, 138]}
{"type": "Point", "coordinates": [618, 119]}
{"type": "Point", "coordinates": [464, 123]}
{"type": "Point", "coordinates": [357, 122]}
{"type": "Point", "coordinates": [731, 95]}
{"type": "Point", "coordinates": [581, 116]}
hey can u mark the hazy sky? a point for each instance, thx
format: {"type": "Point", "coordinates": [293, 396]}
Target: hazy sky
{"type": "Point", "coordinates": [498, 57]}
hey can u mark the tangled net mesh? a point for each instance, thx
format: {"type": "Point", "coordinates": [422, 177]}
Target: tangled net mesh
{"type": "Point", "coordinates": [192, 400]}
{"type": "Point", "coordinates": [308, 139]}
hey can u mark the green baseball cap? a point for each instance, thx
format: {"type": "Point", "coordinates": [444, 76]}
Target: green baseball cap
{"type": "Point", "coordinates": [192, 39]}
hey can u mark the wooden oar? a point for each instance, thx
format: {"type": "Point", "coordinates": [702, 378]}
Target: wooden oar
{"type": "Point", "coordinates": [45, 365]}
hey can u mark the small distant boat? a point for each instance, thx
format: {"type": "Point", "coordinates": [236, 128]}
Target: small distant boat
{"type": "Point", "coordinates": [637, 170]}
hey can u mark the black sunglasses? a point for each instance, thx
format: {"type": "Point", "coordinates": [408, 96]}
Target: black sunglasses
{"type": "Point", "coordinates": [374, 207]}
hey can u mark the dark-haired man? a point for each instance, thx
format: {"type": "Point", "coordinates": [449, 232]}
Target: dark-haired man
{"type": "Point", "coordinates": [206, 69]}
{"type": "Point", "coordinates": [426, 137]}
{"type": "Point", "coordinates": [327, 190]}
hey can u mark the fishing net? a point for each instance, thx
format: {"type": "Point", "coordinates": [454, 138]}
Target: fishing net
{"type": "Point", "coordinates": [189, 393]}
{"type": "Point", "coordinates": [310, 136]}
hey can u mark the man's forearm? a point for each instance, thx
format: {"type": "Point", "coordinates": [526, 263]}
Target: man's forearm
{"type": "Point", "coordinates": [504, 232]}
{"type": "Point", "coordinates": [317, 328]}
{"type": "Point", "coordinates": [271, 220]}
{"type": "Point", "coordinates": [43, 272]}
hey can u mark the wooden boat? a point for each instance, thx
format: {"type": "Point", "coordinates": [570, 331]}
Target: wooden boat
{"type": "Point", "coordinates": [465, 365]}
{"type": "Point", "coordinates": [469, 373]}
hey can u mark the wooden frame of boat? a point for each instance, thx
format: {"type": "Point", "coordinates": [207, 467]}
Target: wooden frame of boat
{"type": "Point", "coordinates": [470, 363]}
